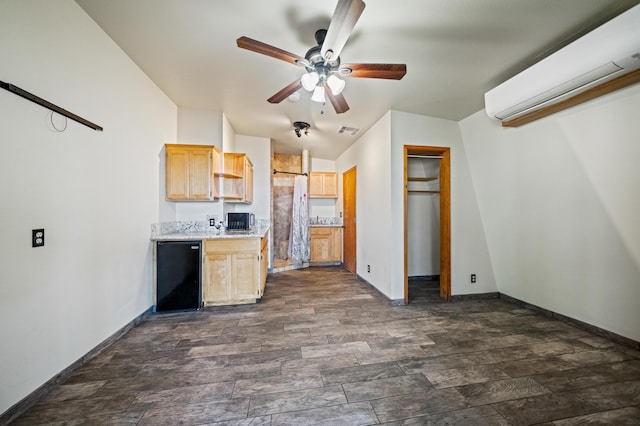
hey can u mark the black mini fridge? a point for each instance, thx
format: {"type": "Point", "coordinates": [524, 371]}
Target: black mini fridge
{"type": "Point", "coordinates": [178, 275]}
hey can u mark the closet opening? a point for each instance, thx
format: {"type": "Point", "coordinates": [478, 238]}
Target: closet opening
{"type": "Point", "coordinates": [426, 224]}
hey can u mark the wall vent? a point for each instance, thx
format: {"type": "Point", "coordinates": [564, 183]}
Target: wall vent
{"type": "Point", "coordinates": [351, 131]}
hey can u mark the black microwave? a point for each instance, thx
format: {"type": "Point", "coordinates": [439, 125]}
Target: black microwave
{"type": "Point", "coordinates": [240, 221]}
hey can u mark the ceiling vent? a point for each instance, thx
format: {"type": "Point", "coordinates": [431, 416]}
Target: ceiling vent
{"type": "Point", "coordinates": [608, 52]}
{"type": "Point", "coordinates": [350, 131]}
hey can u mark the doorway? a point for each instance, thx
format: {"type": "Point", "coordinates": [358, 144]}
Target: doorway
{"type": "Point", "coordinates": [349, 219]}
{"type": "Point", "coordinates": [443, 155]}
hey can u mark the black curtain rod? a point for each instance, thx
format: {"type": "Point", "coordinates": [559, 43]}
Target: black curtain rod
{"type": "Point", "coordinates": [55, 108]}
{"type": "Point", "coordinates": [288, 173]}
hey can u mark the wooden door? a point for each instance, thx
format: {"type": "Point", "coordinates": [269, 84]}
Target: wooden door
{"type": "Point", "coordinates": [349, 219]}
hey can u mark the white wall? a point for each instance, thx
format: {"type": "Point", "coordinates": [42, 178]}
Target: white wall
{"type": "Point", "coordinates": [469, 252]}
{"type": "Point", "coordinates": [378, 155]}
{"type": "Point", "coordinates": [559, 199]}
{"type": "Point", "coordinates": [258, 150]}
{"type": "Point", "coordinates": [370, 154]}
{"type": "Point", "coordinates": [95, 193]}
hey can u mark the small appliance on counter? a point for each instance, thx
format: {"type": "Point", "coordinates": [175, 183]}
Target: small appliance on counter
{"type": "Point", "coordinates": [240, 221]}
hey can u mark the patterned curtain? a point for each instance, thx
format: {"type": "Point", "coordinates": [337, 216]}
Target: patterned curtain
{"type": "Point", "coordinates": [299, 233]}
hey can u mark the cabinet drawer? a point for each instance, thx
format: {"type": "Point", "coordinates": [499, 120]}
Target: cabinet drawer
{"type": "Point", "coordinates": [320, 231]}
{"type": "Point", "coordinates": [232, 245]}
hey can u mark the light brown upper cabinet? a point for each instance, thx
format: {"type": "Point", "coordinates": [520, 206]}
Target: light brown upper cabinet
{"type": "Point", "coordinates": [237, 178]}
{"type": "Point", "coordinates": [190, 172]}
{"type": "Point", "coordinates": [323, 185]}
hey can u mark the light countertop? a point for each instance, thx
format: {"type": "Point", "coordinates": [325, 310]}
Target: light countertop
{"type": "Point", "coordinates": [256, 232]}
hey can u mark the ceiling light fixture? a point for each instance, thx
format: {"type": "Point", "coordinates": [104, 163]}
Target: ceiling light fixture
{"type": "Point", "coordinates": [321, 72]}
{"type": "Point", "coordinates": [335, 84]}
{"type": "Point", "coordinates": [318, 94]}
{"type": "Point", "coordinates": [309, 80]}
{"type": "Point", "coordinates": [300, 126]}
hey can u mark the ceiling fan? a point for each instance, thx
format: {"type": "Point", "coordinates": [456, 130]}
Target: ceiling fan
{"type": "Point", "coordinates": [322, 62]}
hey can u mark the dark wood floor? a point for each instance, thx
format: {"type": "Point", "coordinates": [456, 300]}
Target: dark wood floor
{"type": "Point", "coordinates": [323, 349]}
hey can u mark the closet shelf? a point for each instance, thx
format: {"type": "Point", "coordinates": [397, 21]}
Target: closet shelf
{"type": "Point", "coordinates": [421, 179]}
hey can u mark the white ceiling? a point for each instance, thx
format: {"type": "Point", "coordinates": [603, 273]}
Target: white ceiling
{"type": "Point", "coordinates": [455, 50]}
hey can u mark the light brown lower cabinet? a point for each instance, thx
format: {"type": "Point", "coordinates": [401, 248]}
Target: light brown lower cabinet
{"type": "Point", "coordinates": [234, 270]}
{"type": "Point", "coordinates": [326, 245]}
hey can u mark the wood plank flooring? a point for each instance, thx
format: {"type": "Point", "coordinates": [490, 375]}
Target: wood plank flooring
{"type": "Point", "coordinates": [324, 349]}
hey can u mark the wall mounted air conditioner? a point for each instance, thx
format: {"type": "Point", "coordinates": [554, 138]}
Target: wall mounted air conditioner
{"type": "Point", "coordinates": [602, 55]}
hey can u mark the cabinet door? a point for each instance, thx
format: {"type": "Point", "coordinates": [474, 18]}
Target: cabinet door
{"type": "Point", "coordinates": [320, 241]}
{"type": "Point", "coordinates": [335, 245]}
{"type": "Point", "coordinates": [245, 276]}
{"type": "Point", "coordinates": [216, 278]}
{"type": "Point", "coordinates": [330, 185]}
{"type": "Point", "coordinates": [189, 174]}
{"type": "Point", "coordinates": [264, 263]}
{"type": "Point", "coordinates": [248, 182]}
{"type": "Point", "coordinates": [177, 174]}
{"type": "Point", "coordinates": [315, 184]}
{"type": "Point", "coordinates": [200, 176]}
{"type": "Point", "coordinates": [323, 185]}
{"type": "Point", "coordinates": [217, 171]}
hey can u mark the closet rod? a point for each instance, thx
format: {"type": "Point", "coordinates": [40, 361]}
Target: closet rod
{"type": "Point", "coordinates": [55, 108]}
{"type": "Point", "coordinates": [424, 156]}
{"type": "Point", "coordinates": [288, 173]}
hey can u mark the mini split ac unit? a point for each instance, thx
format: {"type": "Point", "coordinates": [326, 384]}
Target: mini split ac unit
{"type": "Point", "coordinates": [604, 54]}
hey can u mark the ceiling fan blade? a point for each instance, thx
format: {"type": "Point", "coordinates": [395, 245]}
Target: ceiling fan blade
{"type": "Point", "coordinates": [285, 93]}
{"type": "Point", "coordinates": [342, 23]}
{"type": "Point", "coordinates": [267, 49]}
{"type": "Point", "coordinates": [338, 101]}
{"type": "Point", "coordinates": [387, 71]}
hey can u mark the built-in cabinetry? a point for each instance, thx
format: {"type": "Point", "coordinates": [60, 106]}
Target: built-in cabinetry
{"type": "Point", "coordinates": [323, 185]}
{"type": "Point", "coordinates": [235, 270]}
{"type": "Point", "coordinates": [237, 178]}
{"type": "Point", "coordinates": [190, 171]}
{"type": "Point", "coordinates": [326, 245]}
{"type": "Point", "coordinates": [194, 172]}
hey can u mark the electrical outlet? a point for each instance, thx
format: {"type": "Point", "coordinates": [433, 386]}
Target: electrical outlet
{"type": "Point", "coordinates": [473, 278]}
{"type": "Point", "coordinates": [212, 218]}
{"type": "Point", "coordinates": [37, 237]}
{"type": "Point", "coordinates": [368, 268]}
{"type": "Point", "coordinates": [340, 215]}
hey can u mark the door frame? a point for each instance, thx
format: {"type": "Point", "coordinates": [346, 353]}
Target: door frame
{"type": "Point", "coordinates": [353, 170]}
{"type": "Point", "coordinates": [445, 216]}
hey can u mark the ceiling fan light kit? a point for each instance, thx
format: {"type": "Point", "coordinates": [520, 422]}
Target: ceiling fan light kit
{"type": "Point", "coordinates": [318, 94]}
{"type": "Point", "coordinates": [310, 80]}
{"type": "Point", "coordinates": [335, 84]}
{"type": "Point", "coordinates": [322, 62]}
